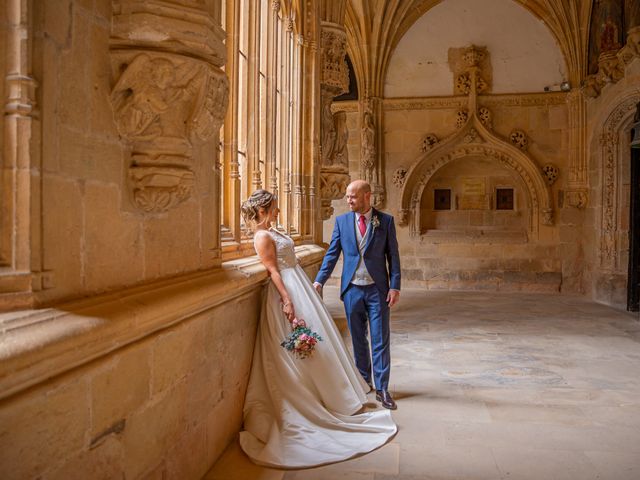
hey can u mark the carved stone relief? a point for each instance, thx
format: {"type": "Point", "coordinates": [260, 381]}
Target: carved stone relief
{"type": "Point", "coordinates": [461, 118]}
{"type": "Point", "coordinates": [484, 114]}
{"type": "Point", "coordinates": [551, 173]}
{"type": "Point", "coordinates": [335, 73]}
{"type": "Point", "coordinates": [462, 61]}
{"type": "Point", "coordinates": [430, 140]}
{"type": "Point", "coordinates": [609, 141]}
{"type": "Point", "coordinates": [169, 93]}
{"type": "Point", "coordinates": [333, 185]}
{"type": "Point", "coordinates": [334, 169]}
{"type": "Point", "coordinates": [612, 64]}
{"type": "Point", "coordinates": [519, 139]}
{"type": "Point", "coordinates": [161, 103]}
{"type": "Point", "coordinates": [399, 177]}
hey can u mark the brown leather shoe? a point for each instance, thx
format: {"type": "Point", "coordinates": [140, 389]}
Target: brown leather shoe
{"type": "Point", "coordinates": [384, 397]}
{"type": "Point", "coordinates": [370, 387]}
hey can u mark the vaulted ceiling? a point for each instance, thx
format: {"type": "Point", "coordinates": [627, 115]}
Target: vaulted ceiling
{"type": "Point", "coordinates": [374, 28]}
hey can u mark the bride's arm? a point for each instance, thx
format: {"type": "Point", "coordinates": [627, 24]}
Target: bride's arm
{"type": "Point", "coordinates": [266, 250]}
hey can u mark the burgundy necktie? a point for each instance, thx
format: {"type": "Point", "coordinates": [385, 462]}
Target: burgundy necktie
{"type": "Point", "coordinates": [362, 226]}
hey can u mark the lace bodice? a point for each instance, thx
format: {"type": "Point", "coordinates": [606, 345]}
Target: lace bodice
{"type": "Point", "coordinates": [285, 252]}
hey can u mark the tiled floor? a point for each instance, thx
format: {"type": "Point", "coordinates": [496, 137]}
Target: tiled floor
{"type": "Point", "coordinates": [498, 386]}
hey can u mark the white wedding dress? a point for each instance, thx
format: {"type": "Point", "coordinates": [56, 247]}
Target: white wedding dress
{"type": "Point", "coordinates": [301, 412]}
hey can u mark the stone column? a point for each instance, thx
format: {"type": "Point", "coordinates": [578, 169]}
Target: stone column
{"type": "Point", "coordinates": [20, 228]}
{"type": "Point", "coordinates": [334, 167]}
{"type": "Point", "coordinates": [577, 194]}
{"type": "Point", "coordinates": [170, 95]}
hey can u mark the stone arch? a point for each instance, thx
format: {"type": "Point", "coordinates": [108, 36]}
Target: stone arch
{"type": "Point", "coordinates": [475, 140]}
{"type": "Point", "coordinates": [607, 137]}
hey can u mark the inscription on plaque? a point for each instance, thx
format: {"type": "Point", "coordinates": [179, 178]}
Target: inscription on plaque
{"type": "Point", "coordinates": [473, 186]}
{"type": "Point", "coordinates": [474, 195]}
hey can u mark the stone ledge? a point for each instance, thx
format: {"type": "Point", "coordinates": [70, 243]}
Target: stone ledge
{"type": "Point", "coordinates": [36, 345]}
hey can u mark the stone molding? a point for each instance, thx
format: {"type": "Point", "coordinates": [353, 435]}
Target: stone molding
{"type": "Point", "coordinates": [459, 101]}
{"type": "Point", "coordinates": [40, 344]}
{"type": "Point", "coordinates": [610, 166]}
{"type": "Point", "coordinates": [170, 92]}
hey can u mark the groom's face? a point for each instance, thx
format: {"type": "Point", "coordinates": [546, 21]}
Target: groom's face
{"type": "Point", "coordinates": [359, 201]}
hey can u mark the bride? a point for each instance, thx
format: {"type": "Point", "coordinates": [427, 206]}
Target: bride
{"type": "Point", "coordinates": [301, 412]}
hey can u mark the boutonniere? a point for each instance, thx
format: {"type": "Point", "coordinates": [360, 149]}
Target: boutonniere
{"type": "Point", "coordinates": [375, 222]}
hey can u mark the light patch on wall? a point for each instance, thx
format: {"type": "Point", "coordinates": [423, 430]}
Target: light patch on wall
{"type": "Point", "coordinates": [524, 54]}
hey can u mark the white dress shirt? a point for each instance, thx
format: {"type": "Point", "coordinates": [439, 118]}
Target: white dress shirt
{"type": "Point", "coordinates": [361, 275]}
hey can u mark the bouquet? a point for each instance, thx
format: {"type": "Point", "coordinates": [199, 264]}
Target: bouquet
{"type": "Point", "coordinates": [301, 341]}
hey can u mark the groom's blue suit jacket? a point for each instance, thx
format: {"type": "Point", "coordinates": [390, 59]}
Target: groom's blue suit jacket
{"type": "Point", "coordinates": [380, 252]}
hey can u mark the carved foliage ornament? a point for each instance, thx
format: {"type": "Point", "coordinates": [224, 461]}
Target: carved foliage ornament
{"type": "Point", "coordinates": [551, 173]}
{"type": "Point", "coordinates": [399, 177]}
{"type": "Point", "coordinates": [484, 114]}
{"type": "Point", "coordinates": [519, 139]}
{"type": "Point", "coordinates": [461, 118]}
{"type": "Point", "coordinates": [430, 141]}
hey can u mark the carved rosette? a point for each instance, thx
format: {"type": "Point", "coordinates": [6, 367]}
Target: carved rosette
{"type": "Point", "coordinates": [484, 115]}
{"type": "Point", "coordinates": [551, 173]}
{"type": "Point", "coordinates": [399, 177]}
{"type": "Point", "coordinates": [430, 141]}
{"type": "Point", "coordinates": [519, 139]}
{"type": "Point", "coordinates": [169, 94]}
{"type": "Point", "coordinates": [461, 118]}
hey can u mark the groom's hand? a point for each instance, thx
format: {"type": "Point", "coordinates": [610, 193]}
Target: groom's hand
{"type": "Point", "coordinates": [393, 297]}
{"type": "Point", "coordinates": [318, 287]}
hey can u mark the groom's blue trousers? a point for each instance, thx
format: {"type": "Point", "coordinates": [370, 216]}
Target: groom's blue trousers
{"type": "Point", "coordinates": [366, 309]}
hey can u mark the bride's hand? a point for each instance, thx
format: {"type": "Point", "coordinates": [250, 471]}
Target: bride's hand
{"type": "Point", "coordinates": [288, 310]}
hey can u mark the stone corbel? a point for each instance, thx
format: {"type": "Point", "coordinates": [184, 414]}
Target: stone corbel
{"type": "Point", "coordinates": [170, 93]}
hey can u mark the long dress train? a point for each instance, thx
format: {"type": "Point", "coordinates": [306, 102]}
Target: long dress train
{"type": "Point", "coordinates": [301, 412]}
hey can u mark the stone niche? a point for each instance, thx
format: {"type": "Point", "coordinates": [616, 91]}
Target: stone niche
{"type": "Point", "coordinates": [475, 198]}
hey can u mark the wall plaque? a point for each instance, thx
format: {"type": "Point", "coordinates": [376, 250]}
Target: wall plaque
{"type": "Point", "coordinates": [473, 186]}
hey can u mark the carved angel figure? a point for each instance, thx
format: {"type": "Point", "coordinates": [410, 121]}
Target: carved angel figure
{"type": "Point", "coordinates": [149, 99]}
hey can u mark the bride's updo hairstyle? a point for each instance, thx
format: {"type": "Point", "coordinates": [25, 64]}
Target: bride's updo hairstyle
{"type": "Point", "coordinates": [260, 199]}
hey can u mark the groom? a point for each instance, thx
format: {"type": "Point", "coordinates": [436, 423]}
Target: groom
{"type": "Point", "coordinates": [367, 238]}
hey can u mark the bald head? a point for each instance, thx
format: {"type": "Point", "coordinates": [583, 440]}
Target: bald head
{"type": "Point", "coordinates": [359, 196]}
{"type": "Point", "coordinates": [360, 186]}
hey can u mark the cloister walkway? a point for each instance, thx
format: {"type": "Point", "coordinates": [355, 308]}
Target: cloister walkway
{"type": "Point", "coordinates": [498, 386]}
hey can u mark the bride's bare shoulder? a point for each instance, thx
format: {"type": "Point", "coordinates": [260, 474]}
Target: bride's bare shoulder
{"type": "Point", "coordinates": [262, 237]}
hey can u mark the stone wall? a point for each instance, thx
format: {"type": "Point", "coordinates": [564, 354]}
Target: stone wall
{"type": "Point", "coordinates": [148, 384]}
{"type": "Point", "coordinates": [94, 238]}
